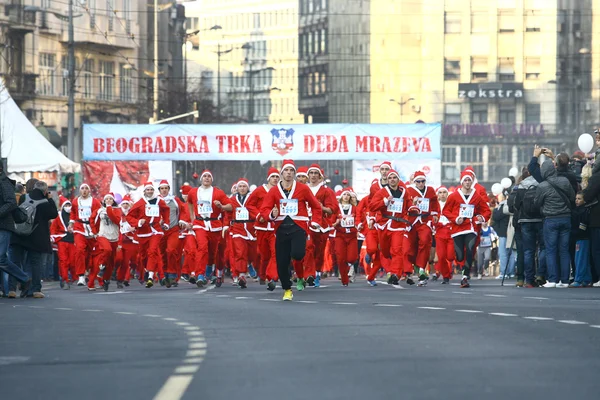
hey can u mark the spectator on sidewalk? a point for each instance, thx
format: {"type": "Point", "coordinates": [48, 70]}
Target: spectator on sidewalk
{"type": "Point", "coordinates": [562, 167]}
{"type": "Point", "coordinates": [501, 218]}
{"type": "Point", "coordinates": [37, 244]}
{"type": "Point", "coordinates": [555, 198]}
{"type": "Point", "coordinates": [591, 195]}
{"type": "Point", "coordinates": [580, 219]}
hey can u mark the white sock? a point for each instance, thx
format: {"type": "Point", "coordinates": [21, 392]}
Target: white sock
{"type": "Point", "coordinates": [151, 275]}
{"type": "Point", "coordinates": [318, 273]}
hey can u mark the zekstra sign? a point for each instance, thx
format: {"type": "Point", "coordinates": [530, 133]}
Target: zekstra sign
{"type": "Point", "coordinates": [490, 90]}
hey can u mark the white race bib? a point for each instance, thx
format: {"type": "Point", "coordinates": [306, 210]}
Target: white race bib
{"type": "Point", "coordinates": [126, 228]}
{"type": "Point", "coordinates": [288, 207]}
{"type": "Point", "coordinates": [347, 222]}
{"type": "Point", "coordinates": [466, 211]}
{"type": "Point", "coordinates": [395, 205]}
{"type": "Point", "coordinates": [486, 241]}
{"type": "Point", "coordinates": [423, 205]}
{"type": "Point", "coordinates": [242, 214]}
{"type": "Point", "coordinates": [204, 207]}
{"type": "Point", "coordinates": [85, 212]}
{"type": "Point", "coordinates": [152, 211]}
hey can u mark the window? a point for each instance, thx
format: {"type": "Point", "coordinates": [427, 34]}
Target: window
{"type": "Point", "coordinates": [451, 70]}
{"type": "Point", "coordinates": [317, 83]}
{"type": "Point", "coordinates": [532, 68]}
{"type": "Point", "coordinates": [64, 62]}
{"type": "Point", "coordinates": [532, 113]}
{"type": "Point", "coordinates": [507, 114]}
{"type": "Point", "coordinates": [126, 83]}
{"type": "Point", "coordinates": [506, 21]}
{"type": "Point", "coordinates": [562, 21]}
{"type": "Point", "coordinates": [479, 69]}
{"type": "Point", "coordinates": [309, 43]}
{"type": "Point", "coordinates": [106, 80]}
{"type": "Point", "coordinates": [110, 14]}
{"type": "Point", "coordinates": [310, 85]}
{"type": "Point", "coordinates": [452, 23]}
{"type": "Point", "coordinates": [533, 21]}
{"type": "Point", "coordinates": [452, 114]}
{"type": "Point", "coordinates": [506, 69]}
{"type": "Point", "coordinates": [256, 21]}
{"type": "Point", "coordinates": [577, 23]}
{"type": "Point", "coordinates": [479, 22]}
{"type": "Point", "coordinates": [127, 16]}
{"type": "Point", "coordinates": [479, 113]}
{"type": "Point", "coordinates": [323, 83]}
{"type": "Point", "coordinates": [92, 12]}
{"type": "Point", "coordinates": [47, 66]}
{"type": "Point", "coordinates": [323, 41]}
{"type": "Point", "coordinates": [88, 70]}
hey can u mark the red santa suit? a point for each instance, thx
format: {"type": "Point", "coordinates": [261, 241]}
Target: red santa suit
{"type": "Point", "coordinates": [346, 237]}
{"type": "Point", "coordinates": [391, 214]}
{"type": "Point", "coordinates": [444, 245]}
{"type": "Point", "coordinates": [59, 234]}
{"type": "Point", "coordinates": [170, 243]}
{"type": "Point", "coordinates": [207, 224]}
{"type": "Point", "coordinates": [424, 206]}
{"type": "Point", "coordinates": [129, 246]}
{"type": "Point", "coordinates": [105, 225]}
{"type": "Point", "coordinates": [146, 216]}
{"type": "Point", "coordinates": [81, 213]}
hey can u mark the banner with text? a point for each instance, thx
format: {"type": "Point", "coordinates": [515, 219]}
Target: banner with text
{"type": "Point", "coordinates": [262, 142]}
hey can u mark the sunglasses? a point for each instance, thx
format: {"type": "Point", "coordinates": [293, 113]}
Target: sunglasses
{"type": "Point", "coordinates": [420, 181]}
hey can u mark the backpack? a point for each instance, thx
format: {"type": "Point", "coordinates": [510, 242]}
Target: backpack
{"type": "Point", "coordinates": [27, 209]}
{"type": "Point", "coordinates": [528, 204]}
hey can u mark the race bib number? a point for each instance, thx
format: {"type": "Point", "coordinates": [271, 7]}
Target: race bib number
{"type": "Point", "coordinates": [242, 214]}
{"type": "Point", "coordinates": [126, 228]}
{"type": "Point", "coordinates": [466, 211]}
{"type": "Point", "coordinates": [423, 205]}
{"type": "Point", "coordinates": [288, 207]}
{"type": "Point", "coordinates": [486, 241]}
{"type": "Point", "coordinates": [395, 205]}
{"type": "Point", "coordinates": [85, 213]}
{"type": "Point", "coordinates": [347, 222]}
{"type": "Point", "coordinates": [152, 211]}
{"type": "Point", "coordinates": [204, 207]}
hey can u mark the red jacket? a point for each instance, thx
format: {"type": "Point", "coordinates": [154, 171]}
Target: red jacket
{"type": "Point", "coordinates": [361, 214]}
{"type": "Point", "coordinates": [381, 205]}
{"type": "Point", "coordinates": [151, 226]}
{"type": "Point", "coordinates": [422, 214]}
{"type": "Point", "coordinates": [299, 192]}
{"type": "Point", "coordinates": [376, 187]}
{"type": "Point", "coordinates": [81, 221]}
{"type": "Point", "coordinates": [443, 227]}
{"type": "Point", "coordinates": [349, 218]}
{"type": "Point", "coordinates": [58, 229]}
{"type": "Point", "coordinates": [326, 197]}
{"type": "Point", "coordinates": [208, 221]}
{"type": "Point", "coordinates": [128, 234]}
{"type": "Point", "coordinates": [480, 209]}
{"type": "Point", "coordinates": [239, 228]}
{"type": "Point", "coordinates": [255, 200]}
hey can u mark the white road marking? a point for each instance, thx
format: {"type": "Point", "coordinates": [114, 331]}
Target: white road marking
{"type": "Point", "coordinates": [242, 298]}
{"type": "Point", "coordinates": [194, 333]}
{"type": "Point", "coordinates": [469, 311]}
{"type": "Point", "coordinates": [341, 303]}
{"type": "Point", "coordinates": [307, 301]}
{"type": "Point", "coordinates": [117, 292]}
{"type": "Point", "coordinates": [191, 328]}
{"type": "Point", "coordinates": [572, 322]}
{"type": "Point", "coordinates": [124, 313]}
{"type": "Point", "coordinates": [223, 295]}
{"type": "Point", "coordinates": [539, 318]}
{"type": "Point", "coordinates": [6, 360]}
{"type": "Point", "coordinates": [431, 308]}
{"type": "Point", "coordinates": [499, 314]}
{"type": "Point", "coordinates": [170, 319]}
{"type": "Point", "coordinates": [536, 298]}
{"type": "Point", "coordinates": [494, 295]}
{"type": "Point", "coordinates": [462, 293]}
{"type": "Point", "coordinates": [196, 339]}
{"type": "Point", "coordinates": [174, 388]}
{"type": "Point", "coordinates": [198, 345]}
{"type": "Point", "coordinates": [387, 305]}
{"type": "Point", "coordinates": [64, 309]}
{"type": "Point", "coordinates": [196, 360]}
{"type": "Point", "coordinates": [151, 315]}
{"type": "Point", "coordinates": [205, 290]}
{"type": "Point", "coordinates": [436, 290]}
{"type": "Point", "coordinates": [187, 369]}
{"type": "Point", "coordinates": [92, 310]}
{"type": "Point", "coordinates": [196, 353]}
{"type": "Point", "coordinates": [35, 307]}
{"type": "Point", "coordinates": [182, 324]}
{"type": "Point", "coordinates": [595, 326]}
{"type": "Point", "coordinates": [269, 300]}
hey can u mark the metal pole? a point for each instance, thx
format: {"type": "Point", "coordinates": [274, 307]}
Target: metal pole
{"type": "Point", "coordinates": [71, 102]}
{"type": "Point", "coordinates": [185, 98]}
{"type": "Point", "coordinates": [155, 107]}
{"type": "Point", "coordinates": [219, 83]}
{"type": "Point", "coordinates": [250, 96]}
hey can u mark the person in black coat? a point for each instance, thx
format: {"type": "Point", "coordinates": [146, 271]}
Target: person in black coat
{"type": "Point", "coordinates": [591, 195]}
{"type": "Point", "coordinates": [37, 243]}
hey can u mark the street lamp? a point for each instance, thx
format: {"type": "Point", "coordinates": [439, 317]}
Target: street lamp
{"type": "Point", "coordinates": [401, 103]}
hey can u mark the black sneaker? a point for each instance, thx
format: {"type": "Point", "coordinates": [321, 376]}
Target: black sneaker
{"type": "Point", "coordinates": [185, 277]}
{"type": "Point", "coordinates": [119, 285]}
{"type": "Point", "coordinates": [394, 280]}
{"type": "Point", "coordinates": [105, 285]}
{"type": "Point", "coordinates": [446, 281]}
{"type": "Point", "coordinates": [218, 281]}
{"type": "Point", "coordinates": [168, 282]}
{"type": "Point", "coordinates": [262, 282]}
{"type": "Point", "coordinates": [242, 282]}
{"type": "Point", "coordinates": [126, 283]}
{"type": "Point", "coordinates": [200, 284]}
{"type": "Point", "coordinates": [409, 281]}
{"type": "Point", "coordinates": [271, 286]}
{"type": "Point", "coordinates": [192, 280]}
{"type": "Point", "coordinates": [310, 281]}
{"type": "Point", "coordinates": [465, 283]}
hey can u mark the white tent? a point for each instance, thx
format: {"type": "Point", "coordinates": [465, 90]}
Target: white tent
{"type": "Point", "coordinates": [25, 149]}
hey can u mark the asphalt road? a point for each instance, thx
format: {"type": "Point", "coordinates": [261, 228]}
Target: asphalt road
{"type": "Point", "coordinates": [439, 341]}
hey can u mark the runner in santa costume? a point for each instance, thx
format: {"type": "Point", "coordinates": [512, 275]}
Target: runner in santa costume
{"type": "Point", "coordinates": [179, 216]}
{"type": "Point", "coordinates": [83, 208]}
{"type": "Point", "coordinates": [207, 204]}
{"type": "Point", "coordinates": [423, 212]}
{"type": "Point", "coordinates": [302, 175]}
{"type": "Point", "coordinates": [390, 205]}
{"type": "Point", "coordinates": [189, 242]}
{"type": "Point", "coordinates": [346, 235]}
{"type": "Point", "coordinates": [105, 225]}
{"type": "Point", "coordinates": [265, 233]}
{"type": "Point", "coordinates": [129, 245]}
{"type": "Point", "coordinates": [59, 234]}
{"type": "Point", "coordinates": [286, 205]}
{"type": "Point", "coordinates": [361, 214]}
{"type": "Point", "coordinates": [443, 240]}
{"type": "Point", "coordinates": [465, 209]}
{"type": "Point", "coordinates": [147, 215]}
{"type": "Point", "coordinates": [242, 221]}
{"type": "Point", "coordinates": [373, 254]}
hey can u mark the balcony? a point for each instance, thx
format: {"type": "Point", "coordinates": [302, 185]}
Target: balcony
{"type": "Point", "coordinates": [21, 87]}
{"type": "Point", "coordinates": [19, 20]}
{"type": "Point", "coordinates": [102, 31]}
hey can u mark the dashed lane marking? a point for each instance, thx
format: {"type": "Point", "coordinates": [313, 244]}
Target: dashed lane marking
{"type": "Point", "coordinates": [431, 308]}
{"type": "Point", "coordinates": [269, 300]}
{"type": "Point", "coordinates": [91, 310]}
{"type": "Point", "coordinates": [539, 318]}
{"type": "Point", "coordinates": [35, 307]}
{"type": "Point", "coordinates": [572, 322]}
{"type": "Point", "coordinates": [187, 369]}
{"type": "Point", "coordinates": [499, 314]}
{"type": "Point", "coordinates": [307, 301]}
{"type": "Point", "coordinates": [494, 295]}
{"type": "Point", "coordinates": [109, 293]}
{"type": "Point", "coordinates": [197, 360]}
{"type": "Point", "coordinates": [469, 311]}
{"type": "Point", "coordinates": [64, 309]}
{"type": "Point", "coordinates": [595, 326]}
{"type": "Point", "coordinates": [242, 298]}
{"type": "Point", "coordinates": [387, 305]}
{"type": "Point", "coordinates": [342, 303]}
{"type": "Point", "coordinates": [436, 290]}
{"type": "Point", "coordinates": [462, 292]}
{"type": "Point", "coordinates": [124, 313]}
{"type": "Point", "coordinates": [171, 319]}
{"type": "Point", "coordinates": [174, 387]}
{"type": "Point", "coordinates": [536, 298]}
{"type": "Point", "coordinates": [195, 353]}
{"type": "Point", "coordinates": [223, 295]}
{"type": "Point", "coordinates": [182, 324]}
{"type": "Point", "coordinates": [194, 333]}
{"type": "Point", "coordinates": [151, 315]}
{"type": "Point", "coordinates": [197, 345]}
{"type": "Point", "coordinates": [191, 328]}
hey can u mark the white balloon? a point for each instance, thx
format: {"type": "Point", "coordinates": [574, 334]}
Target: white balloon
{"type": "Point", "coordinates": [585, 142]}
{"type": "Point", "coordinates": [496, 189]}
{"type": "Point", "coordinates": [506, 183]}
{"type": "Point", "coordinates": [337, 188]}
{"type": "Point", "coordinates": [514, 172]}
{"type": "Point", "coordinates": [252, 188]}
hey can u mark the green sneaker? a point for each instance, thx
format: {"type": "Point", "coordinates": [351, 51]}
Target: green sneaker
{"type": "Point", "coordinates": [301, 284]}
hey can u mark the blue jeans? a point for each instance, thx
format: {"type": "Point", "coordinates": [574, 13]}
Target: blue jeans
{"type": "Point", "coordinates": [503, 253]}
{"type": "Point", "coordinates": [31, 262]}
{"type": "Point", "coordinates": [532, 238]}
{"type": "Point", "coordinates": [556, 235]}
{"type": "Point", "coordinates": [583, 273]}
{"type": "Point", "coordinates": [6, 264]}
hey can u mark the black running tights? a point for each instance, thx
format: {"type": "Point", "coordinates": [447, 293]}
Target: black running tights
{"type": "Point", "coordinates": [464, 247]}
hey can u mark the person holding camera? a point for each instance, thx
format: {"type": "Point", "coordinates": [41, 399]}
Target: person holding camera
{"type": "Point", "coordinates": [561, 163]}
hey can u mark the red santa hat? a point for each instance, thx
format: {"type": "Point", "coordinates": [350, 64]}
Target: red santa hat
{"type": "Point", "coordinates": [242, 181]}
{"type": "Point", "coordinates": [441, 188]}
{"type": "Point", "coordinates": [206, 172]}
{"type": "Point", "coordinates": [393, 172]}
{"type": "Point", "coordinates": [374, 181]}
{"type": "Point", "coordinates": [107, 195]}
{"type": "Point", "coordinates": [302, 171]}
{"type": "Point", "coordinates": [419, 175]}
{"type": "Point", "coordinates": [185, 190]}
{"type": "Point", "coordinates": [288, 164]}
{"type": "Point", "coordinates": [148, 185]}
{"type": "Point", "coordinates": [84, 185]}
{"type": "Point", "coordinates": [470, 170]}
{"type": "Point", "coordinates": [464, 175]}
{"type": "Point", "coordinates": [315, 167]}
{"type": "Point", "coordinates": [272, 172]}
{"type": "Point", "coordinates": [389, 164]}
{"type": "Point", "coordinates": [164, 182]}
{"type": "Point", "coordinates": [62, 200]}
{"type": "Point", "coordinates": [348, 190]}
{"type": "Point", "coordinates": [127, 199]}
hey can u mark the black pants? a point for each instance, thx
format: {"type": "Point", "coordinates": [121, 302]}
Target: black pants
{"type": "Point", "coordinates": [464, 247]}
{"type": "Point", "coordinates": [357, 264]}
{"type": "Point", "coordinates": [290, 243]}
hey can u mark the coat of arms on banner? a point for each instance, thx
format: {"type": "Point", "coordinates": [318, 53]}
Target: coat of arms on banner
{"type": "Point", "coordinates": [283, 140]}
